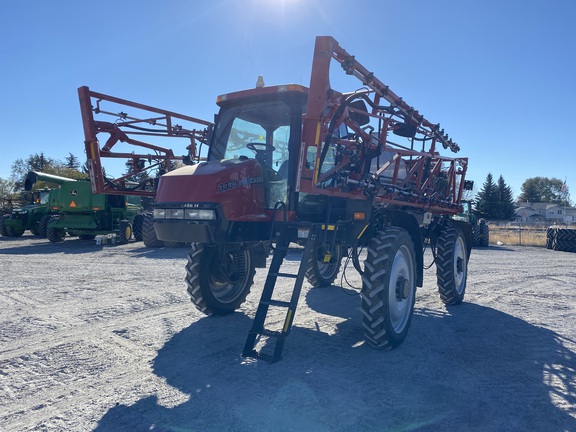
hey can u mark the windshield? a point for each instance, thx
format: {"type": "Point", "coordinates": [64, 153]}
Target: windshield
{"type": "Point", "coordinates": [260, 131]}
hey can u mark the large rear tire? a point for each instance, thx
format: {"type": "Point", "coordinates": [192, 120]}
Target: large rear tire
{"type": "Point", "coordinates": [388, 288]}
{"type": "Point", "coordinates": [149, 234]}
{"type": "Point", "coordinates": [219, 277]}
{"type": "Point", "coordinates": [3, 230]}
{"type": "Point", "coordinates": [451, 265]}
{"type": "Point", "coordinates": [321, 274]}
{"type": "Point", "coordinates": [43, 226]}
{"type": "Point", "coordinates": [55, 235]}
{"type": "Point", "coordinates": [484, 233]}
{"type": "Point", "coordinates": [138, 221]}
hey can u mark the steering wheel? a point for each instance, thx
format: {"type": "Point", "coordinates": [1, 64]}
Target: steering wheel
{"type": "Point", "coordinates": [265, 147]}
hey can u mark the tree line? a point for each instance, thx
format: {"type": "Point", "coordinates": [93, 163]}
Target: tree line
{"type": "Point", "coordinates": [496, 201]}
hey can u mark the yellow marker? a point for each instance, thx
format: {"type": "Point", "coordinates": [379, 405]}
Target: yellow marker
{"type": "Point", "coordinates": [72, 204]}
{"type": "Point", "coordinates": [287, 322]}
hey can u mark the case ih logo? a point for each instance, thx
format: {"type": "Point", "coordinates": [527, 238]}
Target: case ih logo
{"type": "Point", "coordinates": [73, 192]}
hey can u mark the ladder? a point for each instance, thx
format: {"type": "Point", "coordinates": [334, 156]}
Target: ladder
{"type": "Point", "coordinates": [258, 330]}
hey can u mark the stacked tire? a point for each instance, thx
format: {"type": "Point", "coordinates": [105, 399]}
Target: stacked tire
{"type": "Point", "coordinates": [561, 239]}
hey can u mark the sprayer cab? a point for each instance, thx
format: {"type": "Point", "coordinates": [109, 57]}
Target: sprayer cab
{"type": "Point", "coordinates": [251, 165]}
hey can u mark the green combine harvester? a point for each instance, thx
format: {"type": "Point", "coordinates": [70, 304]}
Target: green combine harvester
{"type": "Point", "coordinates": [35, 215]}
{"type": "Point", "coordinates": [76, 211]}
{"type": "Point", "coordinates": [72, 209]}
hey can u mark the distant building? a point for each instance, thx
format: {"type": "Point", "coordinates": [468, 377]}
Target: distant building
{"type": "Point", "coordinates": [544, 213]}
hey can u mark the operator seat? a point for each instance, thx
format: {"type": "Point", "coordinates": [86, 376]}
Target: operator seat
{"type": "Point", "coordinates": [283, 170]}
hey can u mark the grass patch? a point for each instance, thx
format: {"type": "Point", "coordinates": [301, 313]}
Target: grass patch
{"type": "Point", "coordinates": [524, 236]}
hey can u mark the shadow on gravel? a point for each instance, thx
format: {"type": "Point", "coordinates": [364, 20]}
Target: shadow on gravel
{"type": "Point", "coordinates": [469, 368]}
{"type": "Point", "coordinates": [160, 253]}
{"type": "Point", "coordinates": [43, 247]}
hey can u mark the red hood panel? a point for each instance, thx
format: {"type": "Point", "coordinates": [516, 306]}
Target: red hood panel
{"type": "Point", "coordinates": [237, 184]}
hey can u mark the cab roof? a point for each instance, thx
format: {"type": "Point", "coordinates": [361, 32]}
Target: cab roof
{"type": "Point", "coordinates": [261, 91]}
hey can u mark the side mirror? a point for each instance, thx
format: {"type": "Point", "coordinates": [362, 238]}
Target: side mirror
{"type": "Point", "coordinates": [358, 117]}
{"type": "Point", "coordinates": [404, 130]}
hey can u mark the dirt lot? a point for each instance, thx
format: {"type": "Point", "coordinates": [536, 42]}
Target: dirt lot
{"type": "Point", "coordinates": [104, 338]}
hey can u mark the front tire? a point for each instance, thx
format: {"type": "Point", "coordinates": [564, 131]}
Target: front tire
{"type": "Point", "coordinates": [388, 288]}
{"type": "Point", "coordinates": [43, 226]}
{"type": "Point", "coordinates": [138, 222]}
{"type": "Point", "coordinates": [451, 265]}
{"type": "Point", "coordinates": [3, 230]}
{"type": "Point", "coordinates": [219, 280]}
{"type": "Point", "coordinates": [321, 274]}
{"type": "Point", "coordinates": [124, 232]}
{"type": "Point", "coordinates": [55, 235]}
{"type": "Point", "coordinates": [149, 234]}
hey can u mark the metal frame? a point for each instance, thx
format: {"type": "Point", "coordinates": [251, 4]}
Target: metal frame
{"type": "Point", "coordinates": [434, 182]}
{"type": "Point", "coordinates": [142, 132]}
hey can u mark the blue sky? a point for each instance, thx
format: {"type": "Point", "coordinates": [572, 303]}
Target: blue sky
{"type": "Point", "coordinates": [498, 75]}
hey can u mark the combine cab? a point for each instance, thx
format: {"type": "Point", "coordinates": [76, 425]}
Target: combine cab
{"type": "Point", "coordinates": [337, 172]}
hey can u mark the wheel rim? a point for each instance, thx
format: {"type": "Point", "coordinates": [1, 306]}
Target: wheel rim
{"type": "Point", "coordinates": [460, 264]}
{"type": "Point", "coordinates": [401, 289]}
{"type": "Point", "coordinates": [327, 270]}
{"type": "Point", "coordinates": [228, 277]}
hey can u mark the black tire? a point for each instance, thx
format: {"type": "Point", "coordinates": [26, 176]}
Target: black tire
{"type": "Point", "coordinates": [148, 234]}
{"type": "Point", "coordinates": [550, 237]}
{"type": "Point", "coordinates": [565, 234]}
{"type": "Point", "coordinates": [15, 232]}
{"type": "Point", "coordinates": [388, 288]}
{"type": "Point", "coordinates": [138, 221]}
{"type": "Point", "coordinates": [484, 229]}
{"type": "Point", "coordinates": [564, 245]}
{"type": "Point", "coordinates": [475, 235]}
{"type": "Point", "coordinates": [3, 230]}
{"type": "Point", "coordinates": [218, 282]}
{"type": "Point", "coordinates": [34, 229]}
{"type": "Point", "coordinates": [124, 232]}
{"type": "Point", "coordinates": [451, 265]}
{"type": "Point", "coordinates": [320, 274]}
{"type": "Point", "coordinates": [43, 225]}
{"type": "Point", "coordinates": [55, 235]}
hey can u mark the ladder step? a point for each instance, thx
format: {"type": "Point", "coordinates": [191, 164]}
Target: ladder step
{"type": "Point", "coordinates": [286, 275]}
{"type": "Point", "coordinates": [280, 303]}
{"type": "Point", "coordinates": [261, 356]}
{"type": "Point", "coordinates": [271, 333]}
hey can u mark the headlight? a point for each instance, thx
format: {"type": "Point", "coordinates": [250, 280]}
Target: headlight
{"type": "Point", "coordinates": [174, 213]}
{"type": "Point", "coordinates": [200, 214]}
{"type": "Point", "coordinates": [159, 214]}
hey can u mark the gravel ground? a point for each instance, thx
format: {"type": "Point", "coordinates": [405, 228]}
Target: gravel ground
{"type": "Point", "coordinates": [104, 338]}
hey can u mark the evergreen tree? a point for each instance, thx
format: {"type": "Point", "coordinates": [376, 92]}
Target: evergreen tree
{"type": "Point", "coordinates": [487, 198]}
{"type": "Point", "coordinates": [72, 162]}
{"type": "Point", "coordinates": [505, 205]}
{"type": "Point", "coordinates": [132, 168]}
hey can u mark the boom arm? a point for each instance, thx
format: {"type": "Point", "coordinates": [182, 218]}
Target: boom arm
{"type": "Point", "coordinates": [146, 131]}
{"type": "Point", "coordinates": [417, 175]}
